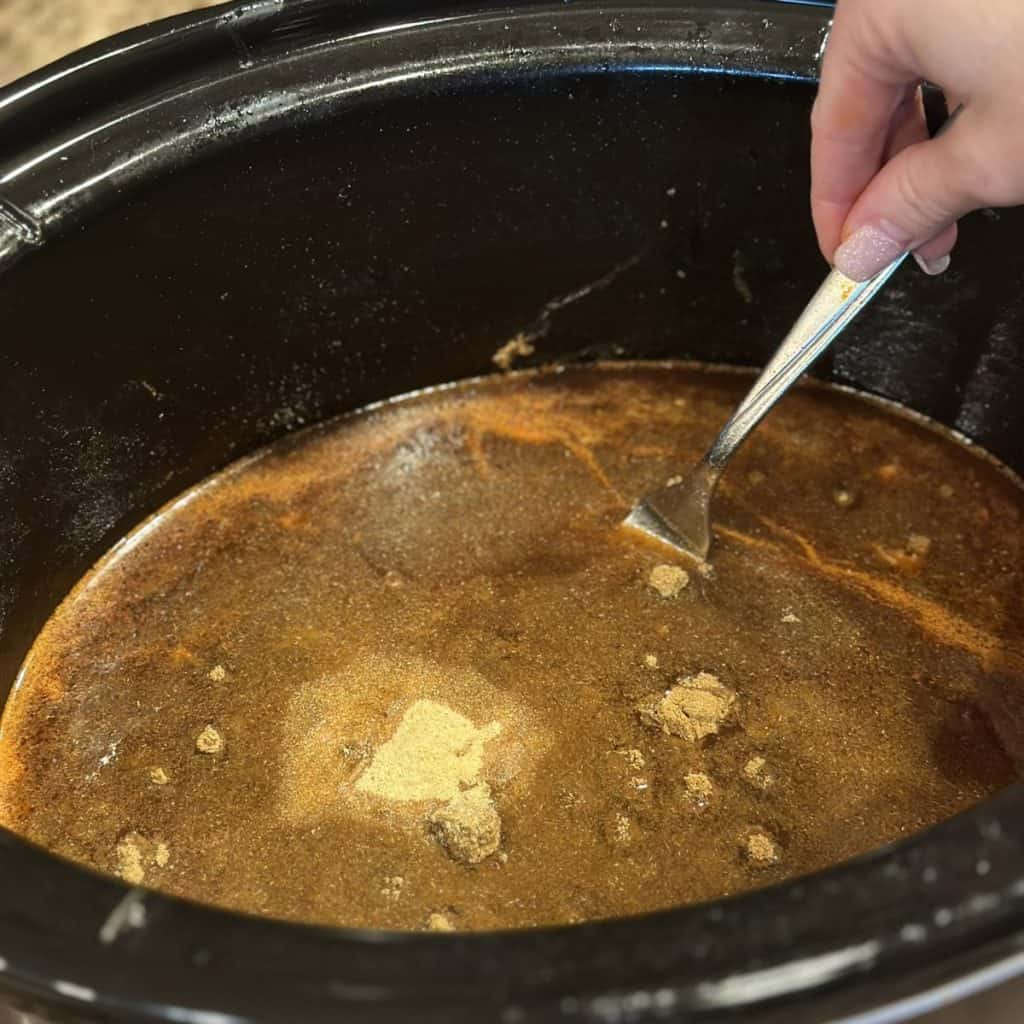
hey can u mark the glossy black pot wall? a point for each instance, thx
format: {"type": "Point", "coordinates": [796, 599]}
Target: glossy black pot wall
{"type": "Point", "coordinates": [220, 228]}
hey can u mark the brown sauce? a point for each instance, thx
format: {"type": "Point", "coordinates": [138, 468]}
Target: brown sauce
{"type": "Point", "coordinates": [404, 670]}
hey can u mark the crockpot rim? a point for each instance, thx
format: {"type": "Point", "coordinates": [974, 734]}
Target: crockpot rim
{"type": "Point", "coordinates": [83, 961]}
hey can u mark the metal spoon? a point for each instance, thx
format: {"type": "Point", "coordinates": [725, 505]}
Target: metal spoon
{"type": "Point", "coordinates": [680, 514]}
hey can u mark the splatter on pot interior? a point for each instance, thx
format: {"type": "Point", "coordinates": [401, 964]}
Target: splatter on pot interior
{"type": "Point", "coordinates": [304, 209]}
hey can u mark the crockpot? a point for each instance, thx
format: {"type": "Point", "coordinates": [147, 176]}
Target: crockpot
{"type": "Point", "coordinates": [221, 227]}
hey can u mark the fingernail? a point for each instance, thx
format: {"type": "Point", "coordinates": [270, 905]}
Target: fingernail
{"type": "Point", "coordinates": [933, 267]}
{"type": "Point", "coordinates": [867, 251]}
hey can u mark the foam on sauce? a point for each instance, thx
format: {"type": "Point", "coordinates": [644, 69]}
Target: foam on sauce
{"type": "Point", "coordinates": [405, 670]}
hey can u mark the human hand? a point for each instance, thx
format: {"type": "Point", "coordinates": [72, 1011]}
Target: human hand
{"type": "Point", "coordinates": [879, 185]}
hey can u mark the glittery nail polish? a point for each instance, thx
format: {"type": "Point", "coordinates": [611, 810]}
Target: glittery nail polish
{"type": "Point", "coordinates": [933, 267]}
{"type": "Point", "coordinates": [867, 251]}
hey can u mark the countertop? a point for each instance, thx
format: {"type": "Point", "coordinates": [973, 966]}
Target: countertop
{"type": "Point", "coordinates": [35, 32]}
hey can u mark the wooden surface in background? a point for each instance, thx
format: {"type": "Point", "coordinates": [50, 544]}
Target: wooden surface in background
{"type": "Point", "coordinates": [35, 32]}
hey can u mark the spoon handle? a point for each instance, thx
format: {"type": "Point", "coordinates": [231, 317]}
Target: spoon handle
{"type": "Point", "coordinates": [679, 514]}
{"type": "Point", "coordinates": [833, 306]}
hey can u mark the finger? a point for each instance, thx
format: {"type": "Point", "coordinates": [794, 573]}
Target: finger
{"type": "Point", "coordinates": [917, 196]}
{"type": "Point", "coordinates": [846, 153]}
{"type": "Point", "coordinates": [909, 124]}
{"type": "Point", "coordinates": [910, 127]}
{"type": "Point", "coordinates": [933, 256]}
{"type": "Point", "coordinates": [850, 124]}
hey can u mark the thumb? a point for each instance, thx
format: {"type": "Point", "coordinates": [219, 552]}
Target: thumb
{"type": "Point", "coordinates": [914, 201]}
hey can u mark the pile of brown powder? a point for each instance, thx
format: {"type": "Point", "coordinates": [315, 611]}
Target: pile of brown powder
{"type": "Point", "coordinates": [437, 754]}
{"type": "Point", "coordinates": [694, 708]}
{"type": "Point", "coordinates": [434, 754]}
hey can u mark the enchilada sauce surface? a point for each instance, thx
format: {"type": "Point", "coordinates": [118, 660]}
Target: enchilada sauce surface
{"type": "Point", "coordinates": [405, 670]}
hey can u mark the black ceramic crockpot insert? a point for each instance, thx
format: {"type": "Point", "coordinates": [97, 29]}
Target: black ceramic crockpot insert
{"type": "Point", "coordinates": [307, 206]}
